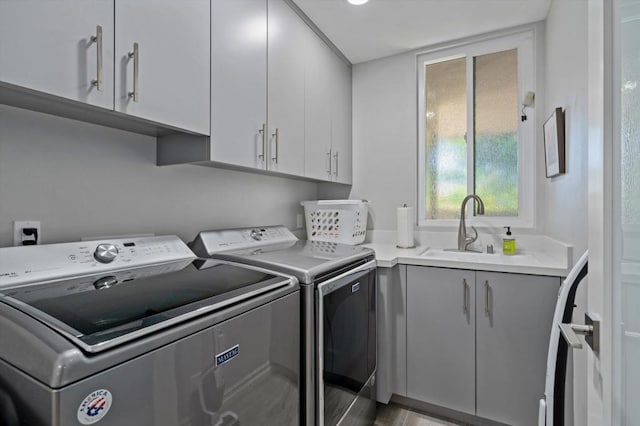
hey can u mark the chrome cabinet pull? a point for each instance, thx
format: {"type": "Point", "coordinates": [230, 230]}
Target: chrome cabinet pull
{"type": "Point", "coordinates": [487, 289]}
{"type": "Point", "coordinates": [134, 95]}
{"type": "Point", "coordinates": [276, 135]}
{"type": "Point", "coordinates": [263, 133]}
{"type": "Point", "coordinates": [335, 156]}
{"type": "Point", "coordinates": [465, 291]}
{"type": "Point", "coordinates": [329, 158]}
{"type": "Point", "coordinates": [97, 39]}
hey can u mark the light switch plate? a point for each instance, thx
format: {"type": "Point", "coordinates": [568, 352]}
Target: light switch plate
{"type": "Point", "coordinates": [19, 225]}
{"type": "Point", "coordinates": [299, 221]}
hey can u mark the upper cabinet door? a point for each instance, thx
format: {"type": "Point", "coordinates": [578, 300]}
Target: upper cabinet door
{"type": "Point", "coordinates": [318, 94]}
{"type": "Point", "coordinates": [286, 52]}
{"type": "Point", "coordinates": [342, 155]}
{"type": "Point", "coordinates": [64, 48]}
{"type": "Point", "coordinates": [239, 82]}
{"type": "Point", "coordinates": [162, 51]}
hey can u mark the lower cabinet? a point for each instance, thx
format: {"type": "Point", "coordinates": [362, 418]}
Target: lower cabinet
{"type": "Point", "coordinates": [477, 341]}
{"type": "Point", "coordinates": [513, 323]}
{"type": "Point", "coordinates": [441, 337]}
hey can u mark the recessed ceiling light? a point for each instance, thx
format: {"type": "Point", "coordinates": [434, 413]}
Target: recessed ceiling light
{"type": "Point", "coordinates": [357, 2]}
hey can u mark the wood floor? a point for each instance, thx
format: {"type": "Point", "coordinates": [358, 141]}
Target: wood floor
{"type": "Point", "coordinates": [396, 415]}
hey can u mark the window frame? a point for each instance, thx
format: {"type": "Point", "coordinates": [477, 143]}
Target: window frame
{"type": "Point", "coordinates": [524, 41]}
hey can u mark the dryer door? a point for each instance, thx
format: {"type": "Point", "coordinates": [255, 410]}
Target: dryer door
{"type": "Point", "coordinates": [346, 339]}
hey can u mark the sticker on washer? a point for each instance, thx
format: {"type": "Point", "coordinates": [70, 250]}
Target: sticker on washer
{"type": "Point", "coordinates": [94, 407]}
{"type": "Point", "coordinates": [355, 287]}
{"type": "Point", "coordinates": [227, 355]}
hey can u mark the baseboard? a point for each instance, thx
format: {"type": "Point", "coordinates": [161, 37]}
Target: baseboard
{"type": "Point", "coordinates": [443, 412]}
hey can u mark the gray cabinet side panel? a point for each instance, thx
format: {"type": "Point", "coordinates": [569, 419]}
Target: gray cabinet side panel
{"type": "Point", "coordinates": [512, 344]}
{"type": "Point", "coordinates": [391, 371]}
{"type": "Point", "coordinates": [400, 329]}
{"type": "Point", "coordinates": [441, 337]}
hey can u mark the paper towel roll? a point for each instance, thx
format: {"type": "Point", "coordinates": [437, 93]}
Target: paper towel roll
{"type": "Point", "coordinates": [405, 226]}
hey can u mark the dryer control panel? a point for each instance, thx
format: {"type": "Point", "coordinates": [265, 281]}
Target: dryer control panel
{"type": "Point", "coordinates": [211, 242]}
{"type": "Point", "coordinates": [29, 264]}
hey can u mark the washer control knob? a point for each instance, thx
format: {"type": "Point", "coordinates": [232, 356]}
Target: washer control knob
{"type": "Point", "coordinates": [105, 282]}
{"type": "Point", "coordinates": [256, 235]}
{"type": "Point", "coordinates": [105, 253]}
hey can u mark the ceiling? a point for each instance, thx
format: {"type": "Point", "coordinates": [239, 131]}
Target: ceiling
{"type": "Point", "coordinates": [386, 27]}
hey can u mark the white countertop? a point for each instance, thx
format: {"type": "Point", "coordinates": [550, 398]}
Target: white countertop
{"type": "Point", "coordinates": [536, 255]}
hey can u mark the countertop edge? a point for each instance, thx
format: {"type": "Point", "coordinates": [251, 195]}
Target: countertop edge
{"type": "Point", "coordinates": [390, 258]}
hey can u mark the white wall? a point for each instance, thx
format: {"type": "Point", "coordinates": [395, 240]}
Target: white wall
{"type": "Point", "coordinates": [384, 138]}
{"type": "Point", "coordinates": [565, 212]}
{"type": "Point", "coordinates": [565, 207]}
{"type": "Point", "coordinates": [81, 179]}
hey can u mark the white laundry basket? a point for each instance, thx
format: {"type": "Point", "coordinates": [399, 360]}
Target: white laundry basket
{"type": "Point", "coordinates": [337, 221]}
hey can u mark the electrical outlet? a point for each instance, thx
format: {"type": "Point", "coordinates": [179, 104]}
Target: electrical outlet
{"type": "Point", "coordinates": [19, 236]}
{"type": "Point", "coordinates": [299, 221]}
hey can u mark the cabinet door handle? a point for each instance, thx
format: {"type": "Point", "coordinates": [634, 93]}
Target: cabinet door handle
{"type": "Point", "coordinates": [329, 158]}
{"type": "Point", "coordinates": [134, 95]}
{"type": "Point", "coordinates": [335, 156]}
{"type": "Point", "coordinates": [263, 133]}
{"type": "Point", "coordinates": [276, 135]}
{"type": "Point", "coordinates": [97, 39]}
{"type": "Point", "coordinates": [465, 291]}
{"type": "Point", "coordinates": [487, 290]}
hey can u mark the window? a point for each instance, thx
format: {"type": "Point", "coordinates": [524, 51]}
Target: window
{"type": "Point", "coordinates": [471, 137]}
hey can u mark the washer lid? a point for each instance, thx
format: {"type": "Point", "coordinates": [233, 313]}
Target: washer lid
{"type": "Point", "coordinates": [97, 312]}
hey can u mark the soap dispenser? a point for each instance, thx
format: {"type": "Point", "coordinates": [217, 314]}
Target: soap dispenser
{"type": "Point", "coordinates": [508, 243]}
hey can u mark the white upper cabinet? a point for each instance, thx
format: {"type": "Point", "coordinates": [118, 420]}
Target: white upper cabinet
{"type": "Point", "coordinates": [318, 98]}
{"type": "Point", "coordinates": [63, 48]}
{"type": "Point", "coordinates": [243, 83]}
{"type": "Point", "coordinates": [341, 120]}
{"type": "Point", "coordinates": [162, 69]}
{"type": "Point", "coordinates": [239, 82]}
{"type": "Point", "coordinates": [327, 113]}
{"type": "Point", "coordinates": [286, 67]}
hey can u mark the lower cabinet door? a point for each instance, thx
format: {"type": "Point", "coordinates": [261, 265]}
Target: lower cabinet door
{"type": "Point", "coordinates": [441, 337]}
{"type": "Point", "coordinates": [513, 320]}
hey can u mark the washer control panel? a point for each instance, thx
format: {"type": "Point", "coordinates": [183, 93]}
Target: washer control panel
{"type": "Point", "coordinates": [210, 242]}
{"type": "Point", "coordinates": [28, 264]}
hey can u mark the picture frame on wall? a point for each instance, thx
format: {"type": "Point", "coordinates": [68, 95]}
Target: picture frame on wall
{"type": "Point", "coordinates": [554, 144]}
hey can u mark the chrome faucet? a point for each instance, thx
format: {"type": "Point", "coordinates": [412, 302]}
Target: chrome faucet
{"type": "Point", "coordinates": [464, 240]}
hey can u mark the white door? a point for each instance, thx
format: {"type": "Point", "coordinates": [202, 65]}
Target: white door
{"type": "Point", "coordinates": [285, 111]}
{"type": "Point", "coordinates": [239, 82]}
{"type": "Point", "coordinates": [626, 220]}
{"type": "Point", "coordinates": [54, 47]}
{"type": "Point", "coordinates": [167, 81]}
{"type": "Point", "coordinates": [613, 375]}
